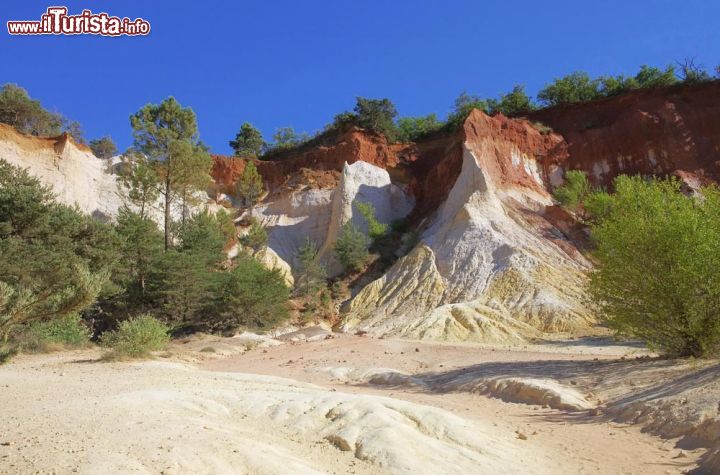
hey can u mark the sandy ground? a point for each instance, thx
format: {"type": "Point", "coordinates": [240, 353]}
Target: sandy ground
{"type": "Point", "coordinates": [347, 404]}
{"type": "Point", "coordinates": [576, 442]}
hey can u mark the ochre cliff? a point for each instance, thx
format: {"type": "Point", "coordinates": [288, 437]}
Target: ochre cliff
{"type": "Point", "coordinates": [661, 131]}
{"type": "Point", "coordinates": [319, 166]}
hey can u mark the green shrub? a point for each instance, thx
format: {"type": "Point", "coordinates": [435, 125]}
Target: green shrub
{"type": "Point", "coordinates": [250, 186]}
{"type": "Point", "coordinates": [256, 237]}
{"type": "Point", "coordinates": [312, 274]}
{"type": "Point", "coordinates": [351, 248]}
{"type": "Point", "coordinates": [376, 229]}
{"type": "Point", "coordinates": [137, 337]}
{"type": "Point", "coordinates": [574, 191]}
{"type": "Point", "coordinates": [575, 87]}
{"type": "Point", "coordinates": [7, 353]}
{"type": "Point", "coordinates": [411, 129]}
{"type": "Point", "coordinates": [103, 147]}
{"type": "Point", "coordinates": [250, 296]}
{"type": "Point", "coordinates": [512, 104]}
{"type": "Point", "coordinates": [65, 332]}
{"type": "Point", "coordinates": [54, 261]}
{"type": "Point", "coordinates": [658, 265]}
{"type": "Point", "coordinates": [597, 205]}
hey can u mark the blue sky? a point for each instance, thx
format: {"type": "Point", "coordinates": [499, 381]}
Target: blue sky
{"type": "Point", "coordinates": [297, 63]}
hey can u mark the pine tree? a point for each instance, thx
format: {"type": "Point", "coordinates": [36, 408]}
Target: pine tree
{"type": "Point", "coordinates": [167, 134]}
{"type": "Point", "coordinates": [248, 142]}
{"type": "Point", "coordinates": [140, 181]}
{"type": "Point", "coordinates": [250, 187]}
{"type": "Point", "coordinates": [312, 273]}
{"type": "Point", "coordinates": [351, 247]}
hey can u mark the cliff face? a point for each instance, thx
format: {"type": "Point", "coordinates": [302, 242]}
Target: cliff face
{"type": "Point", "coordinates": [318, 167]}
{"type": "Point", "coordinates": [496, 259]}
{"type": "Point", "coordinates": [652, 132]}
{"type": "Point", "coordinates": [76, 176]}
{"type": "Point", "coordinates": [489, 266]}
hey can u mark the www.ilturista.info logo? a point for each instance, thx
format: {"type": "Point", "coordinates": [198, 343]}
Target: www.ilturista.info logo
{"type": "Point", "coordinates": [56, 21]}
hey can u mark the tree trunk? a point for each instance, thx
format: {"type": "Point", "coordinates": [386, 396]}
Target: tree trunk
{"type": "Point", "coordinates": [167, 212]}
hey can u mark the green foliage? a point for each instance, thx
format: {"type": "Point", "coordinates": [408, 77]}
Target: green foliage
{"type": "Point", "coordinates": [184, 279]}
{"type": "Point", "coordinates": [575, 87]}
{"type": "Point", "coordinates": [256, 237]}
{"type": "Point", "coordinates": [576, 188]}
{"type": "Point", "coordinates": [140, 181]}
{"type": "Point", "coordinates": [60, 333]}
{"type": "Point", "coordinates": [411, 129]}
{"type": "Point", "coordinates": [311, 274]}
{"type": "Point", "coordinates": [27, 115]}
{"type": "Point", "coordinates": [249, 296]}
{"type": "Point", "coordinates": [597, 205]}
{"type": "Point", "coordinates": [285, 138]}
{"type": "Point", "coordinates": [650, 76]}
{"type": "Point", "coordinates": [376, 229]}
{"type": "Point", "coordinates": [104, 147]}
{"type": "Point", "coordinates": [167, 134]}
{"type": "Point", "coordinates": [136, 338]}
{"type": "Point", "coordinates": [512, 104]}
{"type": "Point", "coordinates": [248, 142]}
{"type": "Point", "coordinates": [464, 105]}
{"type": "Point", "coordinates": [647, 77]}
{"type": "Point", "coordinates": [6, 353]}
{"type": "Point", "coordinates": [141, 250]}
{"type": "Point", "coordinates": [351, 248]}
{"type": "Point", "coordinates": [693, 73]}
{"type": "Point", "coordinates": [658, 265]}
{"type": "Point", "coordinates": [54, 261]}
{"type": "Point", "coordinates": [250, 186]}
{"type": "Point", "coordinates": [377, 115]}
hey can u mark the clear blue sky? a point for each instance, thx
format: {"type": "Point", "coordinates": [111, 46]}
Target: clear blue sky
{"type": "Point", "coordinates": [297, 63]}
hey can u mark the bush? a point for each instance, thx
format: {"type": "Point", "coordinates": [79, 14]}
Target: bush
{"type": "Point", "coordinates": [256, 237]}
{"type": "Point", "coordinates": [137, 337]}
{"type": "Point", "coordinates": [311, 273]}
{"type": "Point", "coordinates": [26, 114]}
{"type": "Point", "coordinates": [575, 87]}
{"type": "Point", "coordinates": [658, 265]}
{"type": "Point", "coordinates": [250, 296]}
{"type": "Point", "coordinates": [411, 129]}
{"type": "Point", "coordinates": [65, 332]}
{"type": "Point", "coordinates": [351, 248]}
{"type": "Point", "coordinates": [512, 104]}
{"type": "Point", "coordinates": [376, 229]}
{"type": "Point", "coordinates": [54, 261]}
{"type": "Point", "coordinates": [377, 115]}
{"type": "Point", "coordinates": [250, 186]}
{"type": "Point", "coordinates": [104, 147]}
{"type": "Point", "coordinates": [576, 188]}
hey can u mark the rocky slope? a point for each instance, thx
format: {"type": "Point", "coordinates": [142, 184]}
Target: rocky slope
{"type": "Point", "coordinates": [486, 268]}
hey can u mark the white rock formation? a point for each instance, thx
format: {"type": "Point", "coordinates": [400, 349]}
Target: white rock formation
{"type": "Point", "coordinates": [320, 214]}
{"type": "Point", "coordinates": [75, 175]}
{"type": "Point", "coordinates": [482, 272]}
{"type": "Point", "coordinates": [362, 182]}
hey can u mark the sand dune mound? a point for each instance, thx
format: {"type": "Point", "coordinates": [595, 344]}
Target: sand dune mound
{"type": "Point", "coordinates": [171, 418]}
